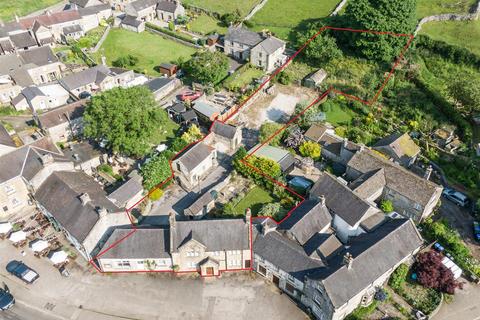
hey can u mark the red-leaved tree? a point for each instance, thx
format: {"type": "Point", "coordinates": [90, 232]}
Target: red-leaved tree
{"type": "Point", "coordinates": [431, 273]}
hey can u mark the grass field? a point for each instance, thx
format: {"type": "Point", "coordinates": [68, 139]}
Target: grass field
{"type": "Point", "coordinates": [280, 16]}
{"type": "Point", "coordinates": [338, 114]}
{"type": "Point", "coordinates": [461, 33]}
{"type": "Point", "coordinates": [432, 7]}
{"type": "Point", "coordinates": [242, 77]}
{"type": "Point", "coordinates": [205, 24]}
{"type": "Point", "coordinates": [224, 6]}
{"type": "Point", "coordinates": [150, 49]}
{"type": "Point", "coordinates": [254, 200]}
{"type": "Point", "coordinates": [8, 8]}
{"type": "Point", "coordinates": [164, 132]}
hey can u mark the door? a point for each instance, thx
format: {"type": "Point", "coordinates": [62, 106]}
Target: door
{"type": "Point", "coordinates": [209, 271]}
{"type": "Point", "coordinates": [276, 280]}
{"type": "Point", "coordinates": [247, 263]}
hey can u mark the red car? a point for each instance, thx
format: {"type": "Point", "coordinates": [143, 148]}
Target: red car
{"type": "Point", "coordinates": [190, 96]}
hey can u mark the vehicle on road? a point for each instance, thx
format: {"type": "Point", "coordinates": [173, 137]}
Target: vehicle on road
{"type": "Point", "coordinates": [189, 96]}
{"type": "Point", "coordinates": [22, 271]}
{"type": "Point", "coordinates": [476, 230]}
{"type": "Point", "coordinates": [456, 197]}
{"type": "Point", "coordinates": [6, 299]}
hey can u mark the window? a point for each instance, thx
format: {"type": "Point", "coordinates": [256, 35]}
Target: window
{"type": "Point", "coordinates": [9, 189]}
{"type": "Point", "coordinates": [192, 264]}
{"type": "Point", "coordinates": [262, 270]}
{"type": "Point", "coordinates": [289, 287]}
{"type": "Point", "coordinates": [123, 264]}
{"type": "Point", "coordinates": [5, 208]}
{"type": "Point", "coordinates": [15, 202]}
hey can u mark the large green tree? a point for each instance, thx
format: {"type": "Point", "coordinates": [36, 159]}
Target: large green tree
{"type": "Point", "coordinates": [207, 67]}
{"type": "Point", "coordinates": [321, 49]}
{"type": "Point", "coordinates": [125, 118]}
{"type": "Point", "coordinates": [466, 92]}
{"type": "Point", "coordinates": [397, 16]}
{"type": "Point", "coordinates": [155, 171]}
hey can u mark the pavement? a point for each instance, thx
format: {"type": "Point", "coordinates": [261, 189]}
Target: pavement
{"type": "Point", "coordinates": [88, 295]}
{"type": "Point", "coordinates": [464, 305]}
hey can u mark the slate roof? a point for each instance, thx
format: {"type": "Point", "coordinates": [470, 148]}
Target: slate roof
{"type": "Point", "coordinates": [397, 178]}
{"type": "Point", "coordinates": [79, 79]}
{"type": "Point", "coordinates": [158, 83]}
{"type": "Point", "coordinates": [206, 109]}
{"type": "Point", "coordinates": [22, 78]}
{"type": "Point", "coordinates": [60, 195]}
{"type": "Point", "coordinates": [9, 63]}
{"type": "Point", "coordinates": [216, 235]}
{"type": "Point", "coordinates": [198, 204]}
{"type": "Point", "coordinates": [373, 254]}
{"type": "Point", "coordinates": [340, 200]}
{"type": "Point", "coordinates": [189, 115]}
{"type": "Point", "coordinates": [168, 6]}
{"type": "Point", "coordinates": [131, 21]}
{"type": "Point", "coordinates": [6, 45]}
{"type": "Point", "coordinates": [5, 138]}
{"type": "Point", "coordinates": [72, 29]}
{"type": "Point", "coordinates": [38, 56]}
{"type": "Point", "coordinates": [31, 92]}
{"type": "Point", "coordinates": [308, 218]}
{"type": "Point", "coordinates": [139, 5]}
{"type": "Point", "coordinates": [51, 18]}
{"type": "Point", "coordinates": [126, 191]}
{"type": "Point", "coordinates": [178, 107]}
{"type": "Point", "coordinates": [61, 115]}
{"type": "Point", "coordinates": [224, 130]}
{"type": "Point", "coordinates": [141, 244]}
{"type": "Point", "coordinates": [400, 144]}
{"type": "Point", "coordinates": [193, 156]}
{"type": "Point", "coordinates": [284, 158]}
{"type": "Point", "coordinates": [369, 183]}
{"type": "Point", "coordinates": [322, 246]}
{"type": "Point", "coordinates": [88, 11]}
{"type": "Point", "coordinates": [271, 44]}
{"type": "Point", "coordinates": [243, 36]}
{"type": "Point", "coordinates": [23, 40]}
{"type": "Point", "coordinates": [80, 3]}
{"type": "Point", "coordinates": [286, 254]}
{"type": "Point", "coordinates": [316, 131]}
{"type": "Point", "coordinates": [81, 152]}
{"type": "Point", "coordinates": [318, 76]}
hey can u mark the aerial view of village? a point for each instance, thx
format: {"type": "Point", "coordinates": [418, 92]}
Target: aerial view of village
{"type": "Point", "coordinates": [250, 159]}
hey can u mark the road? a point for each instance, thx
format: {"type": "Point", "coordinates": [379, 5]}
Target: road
{"type": "Point", "coordinates": [23, 312]}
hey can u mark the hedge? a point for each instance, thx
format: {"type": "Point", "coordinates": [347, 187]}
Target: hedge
{"type": "Point", "coordinates": [171, 33]}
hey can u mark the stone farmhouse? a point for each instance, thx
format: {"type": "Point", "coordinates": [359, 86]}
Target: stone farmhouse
{"type": "Point", "coordinates": [205, 246]}
{"type": "Point", "coordinates": [261, 50]}
{"type": "Point", "coordinates": [149, 10]}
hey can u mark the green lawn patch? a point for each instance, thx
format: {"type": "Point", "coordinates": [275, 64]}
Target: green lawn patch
{"type": "Point", "coordinates": [224, 6]}
{"type": "Point", "coordinates": [433, 7]}
{"type": "Point", "coordinates": [8, 8]}
{"type": "Point", "coordinates": [150, 49]}
{"type": "Point", "coordinates": [281, 16]}
{"type": "Point", "coordinates": [461, 33]}
{"type": "Point", "coordinates": [164, 132]}
{"type": "Point", "coordinates": [338, 114]}
{"type": "Point", "coordinates": [254, 200]}
{"type": "Point", "coordinates": [205, 24]}
{"type": "Point", "coordinates": [242, 77]}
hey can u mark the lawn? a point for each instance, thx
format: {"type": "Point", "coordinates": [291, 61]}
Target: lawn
{"type": "Point", "coordinates": [432, 7]}
{"type": "Point", "coordinates": [205, 24]}
{"type": "Point", "coordinates": [461, 33]}
{"type": "Point", "coordinates": [8, 8]}
{"type": "Point", "coordinates": [338, 114]}
{"type": "Point", "coordinates": [254, 200]}
{"type": "Point", "coordinates": [150, 49]}
{"type": "Point", "coordinates": [281, 16]}
{"type": "Point", "coordinates": [242, 77]}
{"type": "Point", "coordinates": [164, 132]}
{"type": "Point", "coordinates": [224, 6]}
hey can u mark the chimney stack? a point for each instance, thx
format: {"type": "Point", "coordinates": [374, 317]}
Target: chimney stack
{"type": "Point", "coordinates": [348, 260]}
{"type": "Point", "coordinates": [171, 220]}
{"type": "Point", "coordinates": [104, 60]}
{"type": "Point", "coordinates": [46, 159]}
{"type": "Point", "coordinates": [102, 212]}
{"type": "Point", "coordinates": [16, 19]}
{"type": "Point", "coordinates": [84, 198]}
{"type": "Point", "coordinates": [171, 232]}
{"type": "Point", "coordinates": [322, 199]}
{"type": "Point", "coordinates": [248, 215]}
{"type": "Point", "coordinates": [428, 172]}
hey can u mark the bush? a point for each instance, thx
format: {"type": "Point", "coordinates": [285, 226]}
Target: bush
{"type": "Point", "coordinates": [155, 171]}
{"type": "Point", "coordinates": [433, 274]}
{"type": "Point", "coordinates": [171, 33]}
{"type": "Point", "coordinates": [310, 149]}
{"type": "Point", "coordinates": [156, 194]}
{"type": "Point", "coordinates": [268, 129]}
{"type": "Point", "coordinates": [270, 209]}
{"type": "Point", "coordinates": [398, 277]}
{"type": "Point", "coordinates": [386, 206]}
{"type": "Point", "coordinates": [125, 61]}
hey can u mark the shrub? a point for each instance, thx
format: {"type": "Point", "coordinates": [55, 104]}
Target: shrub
{"type": "Point", "coordinates": [269, 129]}
{"type": "Point", "coordinates": [386, 206]}
{"type": "Point", "coordinates": [156, 194]}
{"type": "Point", "coordinates": [433, 274]}
{"type": "Point", "coordinates": [310, 149]}
{"type": "Point", "coordinates": [270, 209]}
{"type": "Point", "coordinates": [398, 277]}
{"type": "Point", "coordinates": [125, 61]}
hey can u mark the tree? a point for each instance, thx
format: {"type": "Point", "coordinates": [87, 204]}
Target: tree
{"type": "Point", "coordinates": [431, 273]}
{"type": "Point", "coordinates": [396, 16]}
{"type": "Point", "coordinates": [466, 92]}
{"type": "Point", "coordinates": [125, 61]}
{"type": "Point", "coordinates": [320, 50]}
{"type": "Point", "coordinates": [155, 171]}
{"type": "Point", "coordinates": [192, 134]}
{"type": "Point", "coordinates": [267, 130]}
{"type": "Point", "coordinates": [310, 149]}
{"type": "Point", "coordinates": [386, 206]}
{"type": "Point", "coordinates": [125, 118]}
{"type": "Point", "coordinates": [207, 67]}
{"type": "Point", "coordinates": [270, 209]}
{"type": "Point", "coordinates": [230, 18]}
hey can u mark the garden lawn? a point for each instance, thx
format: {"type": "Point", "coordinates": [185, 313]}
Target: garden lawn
{"type": "Point", "coordinates": [8, 8]}
{"type": "Point", "coordinates": [205, 24]}
{"type": "Point", "coordinates": [150, 49]}
{"type": "Point", "coordinates": [339, 115]}
{"type": "Point", "coordinates": [433, 7]}
{"type": "Point", "coordinates": [242, 77]}
{"type": "Point", "coordinates": [281, 16]}
{"type": "Point", "coordinates": [254, 200]}
{"type": "Point", "coordinates": [461, 33]}
{"type": "Point", "coordinates": [164, 132]}
{"type": "Point", "coordinates": [224, 6]}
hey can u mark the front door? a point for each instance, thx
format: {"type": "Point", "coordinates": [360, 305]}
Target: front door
{"type": "Point", "coordinates": [247, 263]}
{"type": "Point", "coordinates": [276, 280]}
{"type": "Point", "coordinates": [209, 271]}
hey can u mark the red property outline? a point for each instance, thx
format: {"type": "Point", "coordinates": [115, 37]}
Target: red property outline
{"type": "Point", "coordinates": [238, 108]}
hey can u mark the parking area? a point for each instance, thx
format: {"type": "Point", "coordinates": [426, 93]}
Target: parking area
{"type": "Point", "coordinates": [89, 295]}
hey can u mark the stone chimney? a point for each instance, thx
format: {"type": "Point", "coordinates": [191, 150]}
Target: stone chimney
{"type": "Point", "coordinates": [348, 260]}
{"type": "Point", "coordinates": [268, 226]}
{"type": "Point", "coordinates": [84, 198]}
{"type": "Point", "coordinates": [46, 159]}
{"type": "Point", "coordinates": [104, 60]}
{"type": "Point", "coordinates": [345, 142]}
{"type": "Point", "coordinates": [248, 215]}
{"type": "Point", "coordinates": [428, 172]}
{"type": "Point", "coordinates": [171, 220]}
{"type": "Point", "coordinates": [322, 199]}
{"type": "Point", "coordinates": [172, 231]}
{"type": "Point", "coordinates": [102, 212]}
{"type": "Point", "coordinates": [16, 19]}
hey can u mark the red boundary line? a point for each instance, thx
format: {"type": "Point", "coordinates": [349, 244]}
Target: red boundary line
{"type": "Point", "coordinates": [319, 98]}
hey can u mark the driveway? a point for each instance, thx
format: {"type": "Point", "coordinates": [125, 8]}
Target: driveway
{"type": "Point", "coordinates": [89, 295]}
{"type": "Point", "coordinates": [464, 306]}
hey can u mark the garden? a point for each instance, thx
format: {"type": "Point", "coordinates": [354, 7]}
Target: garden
{"type": "Point", "coordinates": [205, 24]}
{"type": "Point", "coordinates": [242, 77]}
{"type": "Point", "coordinates": [221, 7]}
{"type": "Point", "coordinates": [150, 49]}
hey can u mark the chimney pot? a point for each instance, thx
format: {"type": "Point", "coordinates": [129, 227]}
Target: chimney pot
{"type": "Point", "coordinates": [322, 199]}
{"type": "Point", "coordinates": [102, 212]}
{"type": "Point", "coordinates": [84, 198]}
{"type": "Point", "coordinates": [171, 219]}
{"type": "Point", "coordinates": [248, 215]}
{"type": "Point", "coordinates": [428, 172]}
{"type": "Point", "coordinates": [348, 260]}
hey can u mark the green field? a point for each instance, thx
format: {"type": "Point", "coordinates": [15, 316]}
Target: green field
{"type": "Point", "coordinates": [461, 33]}
{"type": "Point", "coordinates": [254, 200]}
{"type": "Point", "coordinates": [224, 6]}
{"type": "Point", "coordinates": [205, 24]}
{"type": "Point", "coordinates": [8, 8]}
{"type": "Point", "coordinates": [150, 49]}
{"type": "Point", "coordinates": [432, 7]}
{"type": "Point", "coordinates": [280, 16]}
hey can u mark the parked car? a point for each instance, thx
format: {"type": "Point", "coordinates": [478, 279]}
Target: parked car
{"type": "Point", "coordinates": [476, 230]}
{"type": "Point", "coordinates": [22, 271]}
{"type": "Point", "coordinates": [456, 197]}
{"type": "Point", "coordinates": [189, 95]}
{"type": "Point", "coordinates": [6, 299]}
